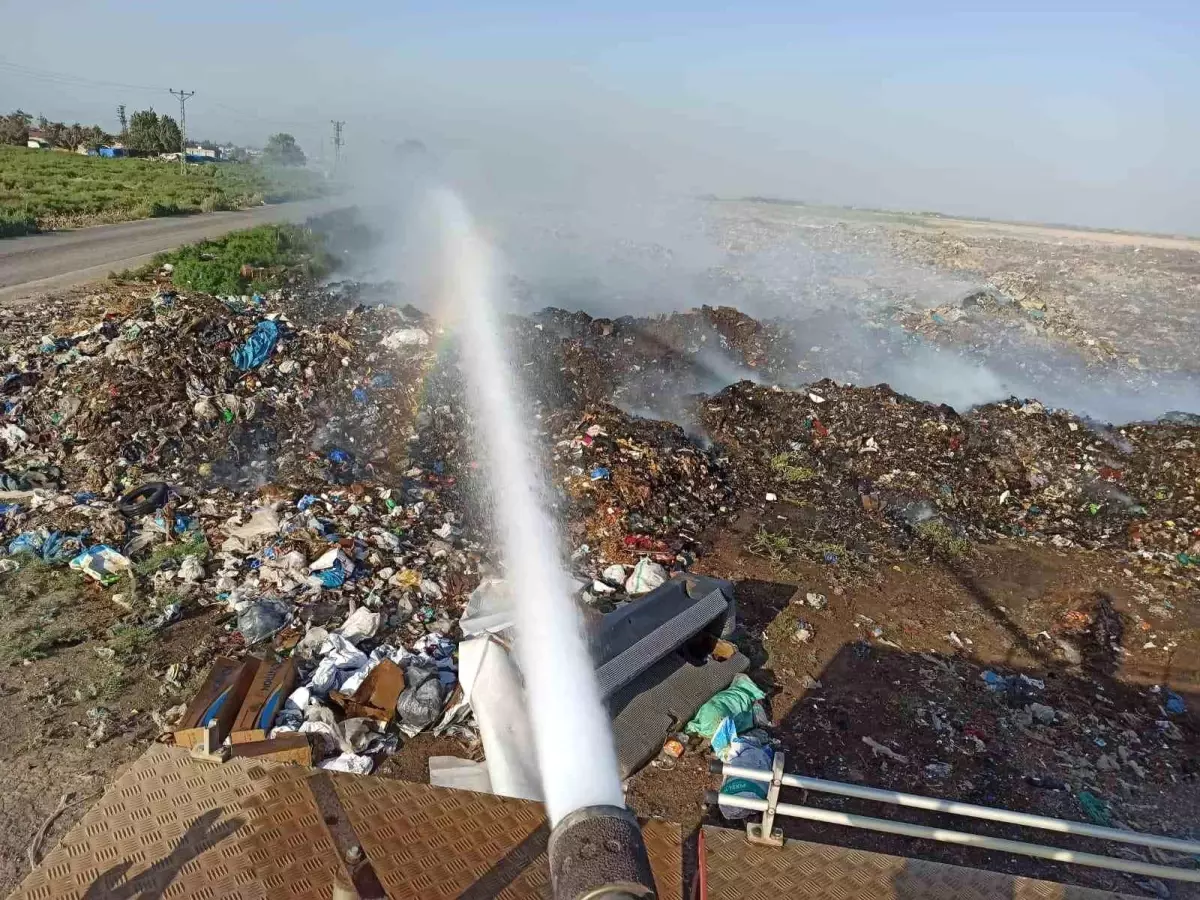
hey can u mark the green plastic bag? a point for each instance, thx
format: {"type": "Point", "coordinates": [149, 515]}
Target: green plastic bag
{"type": "Point", "coordinates": [735, 702]}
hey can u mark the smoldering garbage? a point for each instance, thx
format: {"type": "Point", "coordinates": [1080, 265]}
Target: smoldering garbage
{"type": "Point", "coordinates": [318, 470]}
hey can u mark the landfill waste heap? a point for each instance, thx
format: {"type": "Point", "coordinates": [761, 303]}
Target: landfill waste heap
{"type": "Point", "coordinates": [297, 467]}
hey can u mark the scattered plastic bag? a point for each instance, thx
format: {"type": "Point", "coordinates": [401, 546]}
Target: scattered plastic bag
{"type": "Point", "coordinates": [326, 677]}
{"type": "Point", "coordinates": [647, 575]}
{"type": "Point", "coordinates": [360, 624]}
{"type": "Point", "coordinates": [489, 609]}
{"type": "Point", "coordinates": [258, 346]}
{"type": "Point", "coordinates": [747, 753]}
{"type": "Point", "coordinates": [310, 645]}
{"type": "Point", "coordinates": [342, 652]}
{"type": "Point", "coordinates": [101, 562]}
{"type": "Point", "coordinates": [736, 702]}
{"type": "Point", "coordinates": [355, 679]}
{"type": "Point", "coordinates": [191, 569]}
{"type": "Point", "coordinates": [332, 569]}
{"type": "Point", "coordinates": [263, 522]}
{"type": "Point", "coordinates": [172, 612]}
{"type": "Point", "coordinates": [614, 575]}
{"type": "Point", "coordinates": [48, 546]}
{"type": "Point", "coordinates": [259, 620]}
{"type": "Point", "coordinates": [421, 702]}
{"type": "Point", "coordinates": [348, 762]}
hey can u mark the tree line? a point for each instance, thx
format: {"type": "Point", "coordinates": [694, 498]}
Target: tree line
{"type": "Point", "coordinates": [16, 126]}
{"type": "Point", "coordinates": [144, 131]}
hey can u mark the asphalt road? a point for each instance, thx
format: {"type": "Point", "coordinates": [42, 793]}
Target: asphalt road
{"type": "Point", "coordinates": [59, 259]}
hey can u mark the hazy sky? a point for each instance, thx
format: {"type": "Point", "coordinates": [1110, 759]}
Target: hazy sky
{"type": "Point", "coordinates": [1071, 111]}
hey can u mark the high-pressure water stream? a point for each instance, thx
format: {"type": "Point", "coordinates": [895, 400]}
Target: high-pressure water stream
{"type": "Point", "coordinates": [572, 734]}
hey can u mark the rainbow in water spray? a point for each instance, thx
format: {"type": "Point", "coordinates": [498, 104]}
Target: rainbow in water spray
{"type": "Point", "coordinates": [572, 734]}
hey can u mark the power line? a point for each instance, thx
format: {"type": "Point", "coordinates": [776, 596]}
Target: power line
{"type": "Point", "coordinates": [65, 78]}
{"type": "Point", "coordinates": [183, 99]}
{"type": "Point", "coordinates": [255, 117]}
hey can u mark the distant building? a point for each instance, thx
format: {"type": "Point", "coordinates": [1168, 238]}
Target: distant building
{"type": "Point", "coordinates": [200, 150]}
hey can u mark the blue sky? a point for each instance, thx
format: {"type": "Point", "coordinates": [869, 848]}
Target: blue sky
{"type": "Point", "coordinates": [1076, 112]}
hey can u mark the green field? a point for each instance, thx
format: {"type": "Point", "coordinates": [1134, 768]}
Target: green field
{"type": "Point", "coordinates": [41, 189]}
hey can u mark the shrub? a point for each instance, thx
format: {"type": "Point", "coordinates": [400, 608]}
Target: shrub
{"type": "Point", "coordinates": [14, 223]}
{"type": "Point", "coordinates": [214, 203]}
{"type": "Point", "coordinates": [255, 259]}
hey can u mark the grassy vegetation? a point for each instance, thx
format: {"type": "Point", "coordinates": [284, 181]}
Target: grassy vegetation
{"type": "Point", "coordinates": [257, 259]}
{"type": "Point", "coordinates": [942, 540]}
{"type": "Point", "coordinates": [787, 467]}
{"type": "Point", "coordinates": [775, 546]}
{"type": "Point", "coordinates": [130, 641]}
{"type": "Point", "coordinates": [191, 546]}
{"type": "Point", "coordinates": [37, 611]}
{"type": "Point", "coordinates": [44, 189]}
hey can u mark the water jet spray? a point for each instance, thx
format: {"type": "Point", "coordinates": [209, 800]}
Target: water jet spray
{"type": "Point", "coordinates": [596, 848]}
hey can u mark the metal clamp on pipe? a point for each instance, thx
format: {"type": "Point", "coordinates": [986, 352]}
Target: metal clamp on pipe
{"type": "Point", "coordinates": [597, 853]}
{"type": "Point", "coordinates": [765, 832]}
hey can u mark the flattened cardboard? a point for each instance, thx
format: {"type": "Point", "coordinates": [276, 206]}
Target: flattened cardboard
{"type": "Point", "coordinates": [273, 681]}
{"type": "Point", "coordinates": [219, 698]}
{"type": "Point", "coordinates": [376, 697]}
{"type": "Point", "coordinates": [289, 748]}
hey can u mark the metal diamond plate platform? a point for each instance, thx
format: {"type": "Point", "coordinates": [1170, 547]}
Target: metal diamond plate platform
{"type": "Point", "coordinates": [173, 827]}
{"type": "Point", "coordinates": [739, 870]}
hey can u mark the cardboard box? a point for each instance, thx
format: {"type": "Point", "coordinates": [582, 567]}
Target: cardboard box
{"type": "Point", "coordinates": [288, 748]}
{"type": "Point", "coordinates": [273, 681]}
{"type": "Point", "coordinates": [376, 697]}
{"type": "Point", "coordinates": [219, 698]}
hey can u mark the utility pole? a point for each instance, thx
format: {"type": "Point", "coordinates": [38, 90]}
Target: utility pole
{"type": "Point", "coordinates": [183, 98]}
{"type": "Point", "coordinates": [337, 142]}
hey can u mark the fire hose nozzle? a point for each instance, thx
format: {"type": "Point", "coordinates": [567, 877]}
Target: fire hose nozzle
{"type": "Point", "coordinates": [597, 853]}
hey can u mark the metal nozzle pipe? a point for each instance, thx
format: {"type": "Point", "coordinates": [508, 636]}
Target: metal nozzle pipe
{"type": "Point", "coordinates": [597, 853]}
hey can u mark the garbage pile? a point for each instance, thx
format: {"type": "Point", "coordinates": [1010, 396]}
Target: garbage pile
{"type": "Point", "coordinates": [288, 458]}
{"type": "Point", "coordinates": [302, 461]}
{"type": "Point", "coordinates": [881, 468]}
{"type": "Point", "coordinates": [887, 467]}
{"type": "Point", "coordinates": [229, 392]}
{"type": "Point", "coordinates": [636, 490]}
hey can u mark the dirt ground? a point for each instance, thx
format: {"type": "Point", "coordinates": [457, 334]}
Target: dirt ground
{"type": "Point", "coordinates": [75, 716]}
{"type": "Point", "coordinates": [924, 698]}
{"type": "Point", "coordinates": [1089, 594]}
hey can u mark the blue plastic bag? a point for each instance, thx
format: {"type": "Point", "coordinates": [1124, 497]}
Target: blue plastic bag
{"type": "Point", "coordinates": [333, 577]}
{"type": "Point", "coordinates": [50, 547]}
{"type": "Point", "coordinates": [258, 346]}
